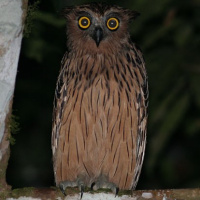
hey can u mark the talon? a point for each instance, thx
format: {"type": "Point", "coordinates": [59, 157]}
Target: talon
{"type": "Point", "coordinates": [81, 187]}
{"type": "Point", "coordinates": [82, 190]}
{"type": "Point", "coordinates": [116, 191]}
{"type": "Point", "coordinates": [92, 186]}
{"type": "Point", "coordinates": [62, 189]}
{"type": "Point", "coordinates": [113, 187]}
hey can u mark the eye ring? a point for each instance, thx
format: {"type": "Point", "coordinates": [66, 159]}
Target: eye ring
{"type": "Point", "coordinates": [112, 23]}
{"type": "Point", "coordinates": [84, 22]}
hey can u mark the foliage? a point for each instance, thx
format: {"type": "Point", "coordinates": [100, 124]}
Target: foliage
{"type": "Point", "coordinates": [31, 14]}
{"type": "Point", "coordinates": [13, 128]}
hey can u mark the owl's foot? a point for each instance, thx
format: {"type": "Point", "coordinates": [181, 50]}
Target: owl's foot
{"type": "Point", "coordinates": [63, 185]}
{"type": "Point", "coordinates": [108, 185]}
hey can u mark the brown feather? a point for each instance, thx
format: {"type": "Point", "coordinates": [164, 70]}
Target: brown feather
{"type": "Point", "coordinates": [100, 114]}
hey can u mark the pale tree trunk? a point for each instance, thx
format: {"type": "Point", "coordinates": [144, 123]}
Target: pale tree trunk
{"type": "Point", "coordinates": [12, 15]}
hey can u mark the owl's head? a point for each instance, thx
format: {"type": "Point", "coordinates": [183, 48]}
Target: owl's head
{"type": "Point", "coordinates": [97, 27]}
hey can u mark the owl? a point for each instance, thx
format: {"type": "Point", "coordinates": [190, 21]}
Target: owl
{"type": "Point", "coordinates": [101, 100]}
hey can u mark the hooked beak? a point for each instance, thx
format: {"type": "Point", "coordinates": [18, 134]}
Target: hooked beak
{"type": "Point", "coordinates": [98, 35]}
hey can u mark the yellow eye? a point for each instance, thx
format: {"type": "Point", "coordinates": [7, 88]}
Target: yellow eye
{"type": "Point", "coordinates": [84, 22]}
{"type": "Point", "coordinates": [113, 23]}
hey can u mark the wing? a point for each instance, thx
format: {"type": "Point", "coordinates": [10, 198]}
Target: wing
{"type": "Point", "coordinates": [141, 106]}
{"type": "Point", "coordinates": [59, 99]}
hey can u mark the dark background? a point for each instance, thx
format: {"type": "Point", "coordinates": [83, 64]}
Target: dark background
{"type": "Point", "coordinates": [168, 32]}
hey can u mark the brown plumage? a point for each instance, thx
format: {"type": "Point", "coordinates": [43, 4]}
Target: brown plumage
{"type": "Point", "coordinates": [100, 106]}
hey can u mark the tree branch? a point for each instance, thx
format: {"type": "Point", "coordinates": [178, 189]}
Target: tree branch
{"type": "Point", "coordinates": [73, 193]}
{"type": "Point", "coordinates": [12, 16]}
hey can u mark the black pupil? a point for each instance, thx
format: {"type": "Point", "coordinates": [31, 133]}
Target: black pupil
{"type": "Point", "coordinates": [84, 22]}
{"type": "Point", "coordinates": [112, 23]}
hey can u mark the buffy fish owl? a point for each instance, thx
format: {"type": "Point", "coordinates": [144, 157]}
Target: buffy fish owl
{"type": "Point", "coordinates": [100, 105]}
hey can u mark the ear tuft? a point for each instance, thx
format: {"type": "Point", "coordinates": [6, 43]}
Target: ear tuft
{"type": "Point", "coordinates": [66, 11]}
{"type": "Point", "coordinates": [133, 14]}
